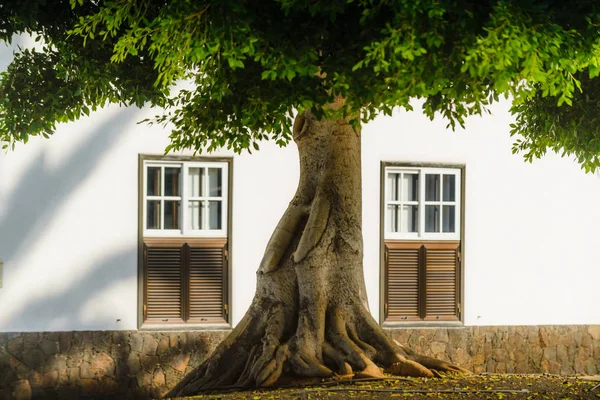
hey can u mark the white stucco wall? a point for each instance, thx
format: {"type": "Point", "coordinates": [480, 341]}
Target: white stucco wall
{"type": "Point", "coordinates": [69, 220]}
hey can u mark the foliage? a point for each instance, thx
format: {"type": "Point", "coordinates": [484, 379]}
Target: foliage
{"type": "Point", "coordinates": [248, 66]}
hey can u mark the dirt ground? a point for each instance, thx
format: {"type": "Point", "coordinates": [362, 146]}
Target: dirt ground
{"type": "Point", "coordinates": [495, 386]}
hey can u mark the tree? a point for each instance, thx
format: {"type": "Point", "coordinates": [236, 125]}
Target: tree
{"type": "Point", "coordinates": [312, 72]}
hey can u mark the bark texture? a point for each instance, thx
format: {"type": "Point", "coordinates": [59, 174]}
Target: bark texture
{"type": "Point", "coordinates": [309, 317]}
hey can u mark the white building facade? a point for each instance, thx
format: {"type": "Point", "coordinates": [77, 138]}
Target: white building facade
{"type": "Point", "coordinates": [101, 232]}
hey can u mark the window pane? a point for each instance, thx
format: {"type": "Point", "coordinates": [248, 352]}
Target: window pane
{"type": "Point", "coordinates": [214, 215]}
{"type": "Point", "coordinates": [448, 217]}
{"type": "Point", "coordinates": [391, 216]}
{"type": "Point", "coordinates": [214, 182]}
{"type": "Point", "coordinates": [196, 182]}
{"type": "Point", "coordinates": [409, 218]}
{"type": "Point", "coordinates": [432, 218]}
{"type": "Point", "coordinates": [194, 215]}
{"type": "Point", "coordinates": [172, 214]}
{"type": "Point", "coordinates": [153, 214]}
{"type": "Point", "coordinates": [449, 188]}
{"type": "Point", "coordinates": [153, 181]}
{"type": "Point", "coordinates": [393, 187]}
{"type": "Point", "coordinates": [410, 187]}
{"type": "Point", "coordinates": [432, 187]}
{"type": "Point", "coordinates": [172, 181]}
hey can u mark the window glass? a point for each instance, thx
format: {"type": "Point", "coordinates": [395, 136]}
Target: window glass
{"type": "Point", "coordinates": [449, 188]}
{"type": "Point", "coordinates": [432, 187]}
{"type": "Point", "coordinates": [196, 182]}
{"type": "Point", "coordinates": [153, 181]}
{"type": "Point", "coordinates": [448, 219]}
{"type": "Point", "coordinates": [214, 215]}
{"type": "Point", "coordinates": [172, 181]}
{"type": "Point", "coordinates": [410, 187]}
{"type": "Point", "coordinates": [153, 214]}
{"type": "Point", "coordinates": [410, 218]}
{"type": "Point", "coordinates": [432, 219]}
{"type": "Point", "coordinates": [214, 182]}
{"type": "Point", "coordinates": [391, 216]}
{"type": "Point", "coordinates": [194, 215]}
{"type": "Point", "coordinates": [172, 214]}
{"type": "Point", "coordinates": [393, 187]}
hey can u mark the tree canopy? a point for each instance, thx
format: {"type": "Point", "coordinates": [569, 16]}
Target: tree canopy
{"type": "Point", "coordinates": [251, 65]}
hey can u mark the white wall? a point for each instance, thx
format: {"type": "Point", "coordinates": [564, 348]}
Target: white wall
{"type": "Point", "coordinates": [531, 252]}
{"type": "Point", "coordinates": [68, 221]}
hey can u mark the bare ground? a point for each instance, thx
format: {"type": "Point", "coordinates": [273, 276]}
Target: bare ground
{"type": "Point", "coordinates": [485, 386]}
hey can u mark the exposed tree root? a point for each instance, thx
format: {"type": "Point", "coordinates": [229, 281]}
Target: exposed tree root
{"type": "Point", "coordinates": [260, 355]}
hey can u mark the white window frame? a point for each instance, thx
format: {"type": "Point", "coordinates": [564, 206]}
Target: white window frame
{"type": "Point", "coordinates": [185, 198]}
{"type": "Point", "coordinates": [421, 234]}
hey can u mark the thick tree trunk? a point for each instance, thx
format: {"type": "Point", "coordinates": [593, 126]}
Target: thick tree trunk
{"type": "Point", "coordinates": [309, 317]}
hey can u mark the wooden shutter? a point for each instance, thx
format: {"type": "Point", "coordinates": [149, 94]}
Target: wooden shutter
{"type": "Point", "coordinates": [441, 276]}
{"type": "Point", "coordinates": [403, 264]}
{"type": "Point", "coordinates": [163, 284]}
{"type": "Point", "coordinates": [207, 270]}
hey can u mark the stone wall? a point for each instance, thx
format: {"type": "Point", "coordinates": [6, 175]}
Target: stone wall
{"type": "Point", "coordinates": [132, 364]}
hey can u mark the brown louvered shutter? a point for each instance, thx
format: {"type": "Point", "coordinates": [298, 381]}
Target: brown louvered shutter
{"type": "Point", "coordinates": [163, 284]}
{"type": "Point", "coordinates": [207, 269]}
{"type": "Point", "coordinates": [403, 264]}
{"type": "Point", "coordinates": [441, 276]}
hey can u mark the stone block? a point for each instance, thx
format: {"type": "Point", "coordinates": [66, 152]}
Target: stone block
{"type": "Point", "coordinates": [50, 379]}
{"type": "Point", "coordinates": [64, 341]}
{"type": "Point", "coordinates": [101, 341]}
{"type": "Point", "coordinates": [86, 371]}
{"type": "Point", "coordinates": [74, 376]}
{"type": "Point", "coordinates": [551, 367]}
{"type": "Point", "coordinates": [174, 341]}
{"type": "Point", "coordinates": [172, 376]}
{"type": "Point", "coordinates": [150, 346]}
{"type": "Point", "coordinates": [180, 362]}
{"type": "Point", "coordinates": [20, 369]}
{"type": "Point", "coordinates": [148, 363]}
{"type": "Point", "coordinates": [591, 367]}
{"type": "Point", "coordinates": [478, 359]}
{"type": "Point", "coordinates": [437, 348]}
{"type": "Point", "coordinates": [63, 377]}
{"type": "Point", "coordinates": [133, 364]}
{"type": "Point", "coordinates": [594, 331]}
{"type": "Point", "coordinates": [22, 390]}
{"type": "Point", "coordinates": [136, 341]}
{"type": "Point", "coordinates": [163, 345]}
{"type": "Point", "coordinates": [55, 362]}
{"type": "Point", "coordinates": [500, 355]}
{"type": "Point", "coordinates": [31, 340]}
{"type": "Point", "coordinates": [501, 368]}
{"type": "Point", "coordinates": [35, 379]}
{"type": "Point", "coordinates": [103, 365]}
{"type": "Point", "coordinates": [87, 340]}
{"type": "Point", "coordinates": [159, 378]}
{"type": "Point", "coordinates": [14, 346]}
{"type": "Point", "coordinates": [144, 379]}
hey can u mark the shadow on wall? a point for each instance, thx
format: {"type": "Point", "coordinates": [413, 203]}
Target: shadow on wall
{"type": "Point", "coordinates": [100, 364]}
{"type": "Point", "coordinates": [69, 304]}
{"type": "Point", "coordinates": [32, 206]}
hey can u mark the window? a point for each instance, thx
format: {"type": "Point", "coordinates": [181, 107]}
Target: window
{"type": "Point", "coordinates": [200, 187]}
{"type": "Point", "coordinates": [421, 243]}
{"type": "Point", "coordinates": [185, 239]}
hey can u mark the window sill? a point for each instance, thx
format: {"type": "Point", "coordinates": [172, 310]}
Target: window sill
{"type": "Point", "coordinates": [423, 324]}
{"type": "Point", "coordinates": [185, 327]}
